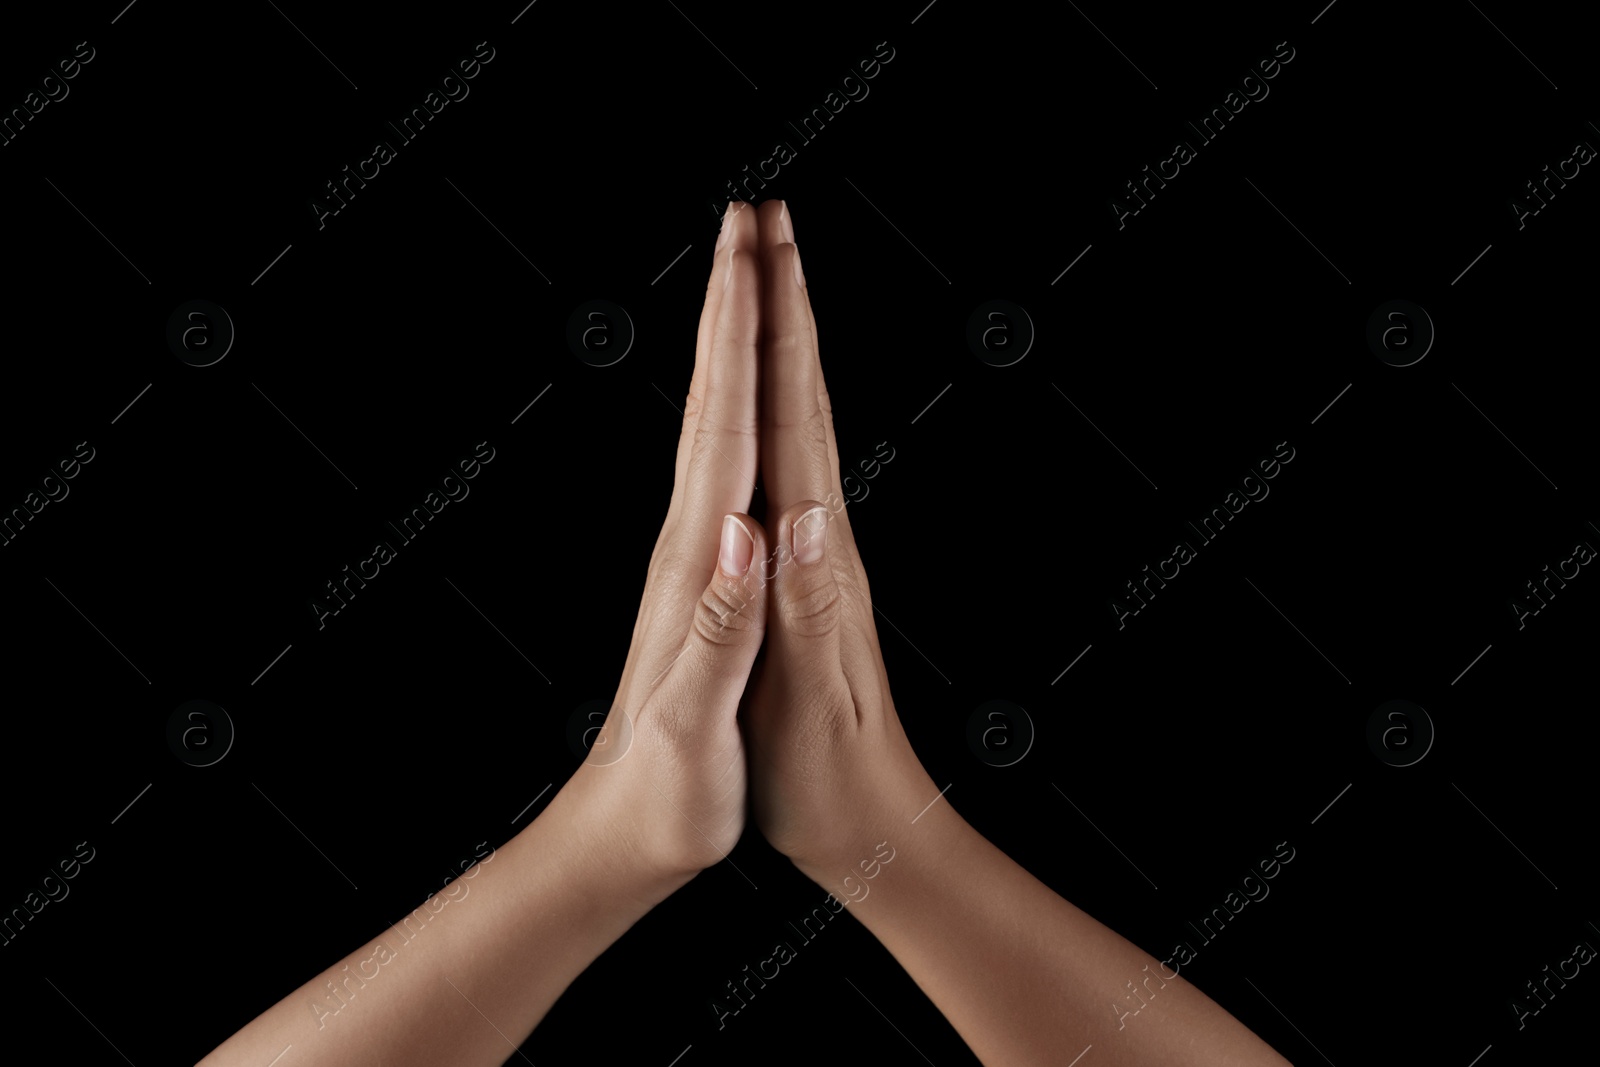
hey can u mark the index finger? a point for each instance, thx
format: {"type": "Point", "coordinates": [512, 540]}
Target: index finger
{"type": "Point", "coordinates": [795, 454]}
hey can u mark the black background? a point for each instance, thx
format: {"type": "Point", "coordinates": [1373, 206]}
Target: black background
{"type": "Point", "coordinates": [1215, 725]}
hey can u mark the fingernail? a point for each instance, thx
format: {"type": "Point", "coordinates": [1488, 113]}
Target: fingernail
{"type": "Point", "coordinates": [737, 548]}
{"type": "Point", "coordinates": [727, 281]}
{"type": "Point", "coordinates": [799, 275]}
{"type": "Point", "coordinates": [810, 535]}
{"type": "Point", "coordinates": [727, 228]}
{"type": "Point", "coordinates": [783, 221]}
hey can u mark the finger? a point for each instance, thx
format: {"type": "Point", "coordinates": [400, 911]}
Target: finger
{"type": "Point", "coordinates": [777, 229]}
{"type": "Point", "coordinates": [803, 629]}
{"type": "Point", "coordinates": [738, 234]}
{"type": "Point", "coordinates": [720, 476]}
{"type": "Point", "coordinates": [709, 672]}
{"type": "Point", "coordinates": [793, 431]}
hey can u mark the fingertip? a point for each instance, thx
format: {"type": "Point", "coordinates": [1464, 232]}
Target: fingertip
{"type": "Point", "coordinates": [809, 535]}
{"type": "Point", "coordinates": [737, 547]}
{"type": "Point", "coordinates": [775, 228]}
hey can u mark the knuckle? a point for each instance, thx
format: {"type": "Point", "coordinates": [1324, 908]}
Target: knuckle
{"type": "Point", "coordinates": [713, 425]}
{"type": "Point", "coordinates": [670, 569]}
{"type": "Point", "coordinates": [812, 420]}
{"type": "Point", "coordinates": [727, 614]}
{"type": "Point", "coordinates": [814, 609]}
{"type": "Point", "coordinates": [790, 341]}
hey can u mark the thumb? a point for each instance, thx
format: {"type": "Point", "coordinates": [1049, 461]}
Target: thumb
{"type": "Point", "coordinates": [728, 623]}
{"type": "Point", "coordinates": [805, 609]}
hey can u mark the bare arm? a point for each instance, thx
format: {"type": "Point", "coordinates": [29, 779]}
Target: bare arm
{"type": "Point", "coordinates": [1025, 977]}
{"type": "Point", "coordinates": [465, 978]}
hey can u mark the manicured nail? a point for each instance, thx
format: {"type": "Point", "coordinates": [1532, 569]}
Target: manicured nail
{"type": "Point", "coordinates": [799, 275]}
{"type": "Point", "coordinates": [727, 228]}
{"type": "Point", "coordinates": [737, 548]}
{"type": "Point", "coordinates": [810, 535]}
{"type": "Point", "coordinates": [727, 281]}
{"type": "Point", "coordinates": [785, 224]}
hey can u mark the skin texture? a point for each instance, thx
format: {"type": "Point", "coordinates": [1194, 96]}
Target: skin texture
{"type": "Point", "coordinates": [817, 754]}
{"type": "Point", "coordinates": [1025, 977]}
{"type": "Point", "coordinates": [661, 796]}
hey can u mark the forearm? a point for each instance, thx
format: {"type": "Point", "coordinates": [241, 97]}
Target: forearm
{"type": "Point", "coordinates": [463, 980]}
{"type": "Point", "coordinates": [1024, 976]}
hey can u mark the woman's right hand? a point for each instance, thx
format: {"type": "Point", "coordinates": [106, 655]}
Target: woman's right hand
{"type": "Point", "coordinates": [832, 769]}
{"type": "Point", "coordinates": [1023, 976]}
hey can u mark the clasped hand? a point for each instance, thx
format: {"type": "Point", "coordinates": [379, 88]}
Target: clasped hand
{"type": "Point", "coordinates": [821, 750]}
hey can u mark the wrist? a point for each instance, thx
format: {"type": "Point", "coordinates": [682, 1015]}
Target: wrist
{"type": "Point", "coordinates": [600, 852]}
{"type": "Point", "coordinates": [904, 814]}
